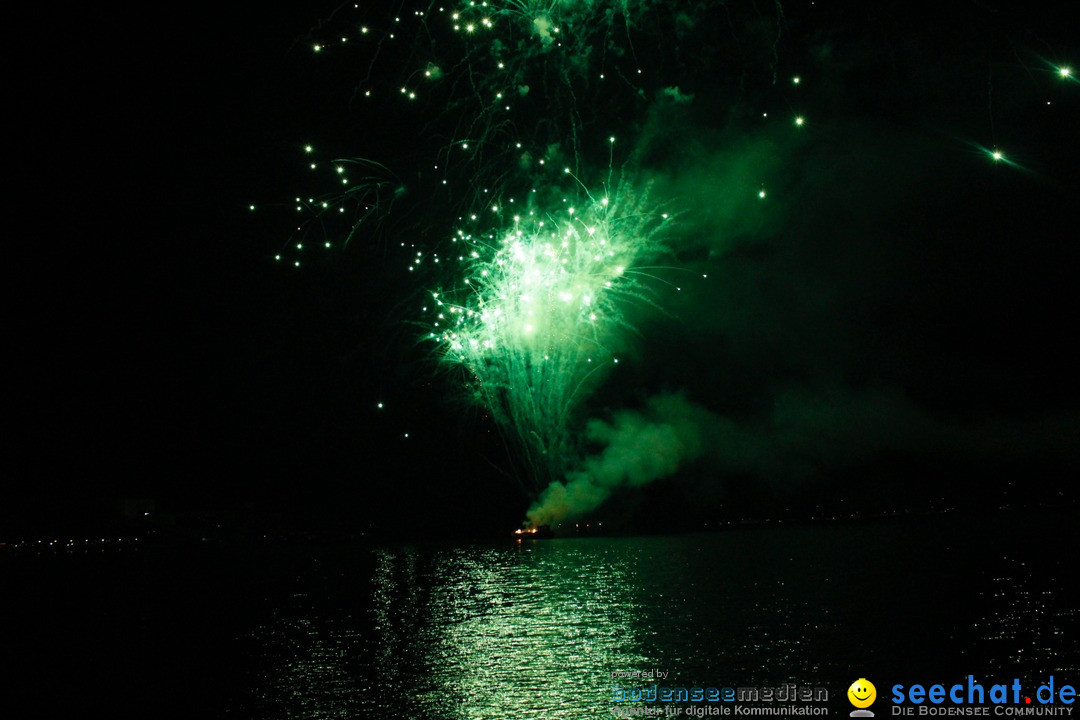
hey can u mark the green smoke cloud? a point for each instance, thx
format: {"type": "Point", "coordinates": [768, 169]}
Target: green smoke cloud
{"type": "Point", "coordinates": [804, 434]}
{"type": "Point", "coordinates": [639, 447]}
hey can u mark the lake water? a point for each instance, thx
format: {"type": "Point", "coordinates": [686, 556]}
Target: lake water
{"type": "Point", "coordinates": [537, 629]}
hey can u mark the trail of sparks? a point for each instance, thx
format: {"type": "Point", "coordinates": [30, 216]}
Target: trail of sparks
{"type": "Point", "coordinates": [501, 101]}
{"type": "Point", "coordinates": [537, 318]}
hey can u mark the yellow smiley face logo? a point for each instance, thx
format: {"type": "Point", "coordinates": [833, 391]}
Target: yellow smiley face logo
{"type": "Point", "coordinates": [862, 693]}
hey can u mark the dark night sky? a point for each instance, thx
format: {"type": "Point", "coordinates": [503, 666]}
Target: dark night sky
{"type": "Point", "coordinates": [905, 313]}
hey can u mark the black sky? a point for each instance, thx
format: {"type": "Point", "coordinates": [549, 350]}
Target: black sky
{"type": "Point", "coordinates": [905, 312]}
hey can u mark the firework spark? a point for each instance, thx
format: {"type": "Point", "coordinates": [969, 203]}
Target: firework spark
{"type": "Point", "coordinates": [528, 298]}
{"type": "Point", "coordinates": [538, 317]}
{"type": "Point", "coordinates": [484, 114]}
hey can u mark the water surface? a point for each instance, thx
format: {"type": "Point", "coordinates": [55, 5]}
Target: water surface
{"type": "Point", "coordinates": [536, 629]}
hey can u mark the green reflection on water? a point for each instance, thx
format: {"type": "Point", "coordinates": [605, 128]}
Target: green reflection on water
{"type": "Point", "coordinates": [535, 633]}
{"type": "Point", "coordinates": [535, 630]}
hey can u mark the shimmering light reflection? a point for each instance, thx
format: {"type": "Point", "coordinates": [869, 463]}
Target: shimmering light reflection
{"type": "Point", "coordinates": [306, 659]}
{"type": "Point", "coordinates": [513, 631]}
{"type": "Point", "coordinates": [1021, 623]}
{"type": "Point", "coordinates": [535, 629]}
{"type": "Point", "coordinates": [538, 636]}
